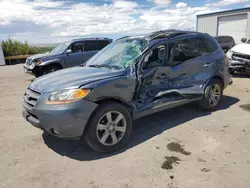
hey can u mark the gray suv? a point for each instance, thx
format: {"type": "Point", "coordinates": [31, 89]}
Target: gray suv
{"type": "Point", "coordinates": [130, 78]}
{"type": "Point", "coordinates": [226, 42]}
{"type": "Point", "coordinates": [69, 54]}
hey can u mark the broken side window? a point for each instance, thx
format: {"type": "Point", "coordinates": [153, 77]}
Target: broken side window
{"type": "Point", "coordinates": [155, 58]}
{"type": "Point", "coordinates": [184, 50]}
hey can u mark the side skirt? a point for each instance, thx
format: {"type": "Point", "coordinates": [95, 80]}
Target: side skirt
{"type": "Point", "coordinates": [161, 105]}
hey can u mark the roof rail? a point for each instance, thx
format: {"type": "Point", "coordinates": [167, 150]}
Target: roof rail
{"type": "Point", "coordinates": [122, 38]}
{"type": "Point", "coordinates": [167, 34]}
{"type": "Point", "coordinates": [92, 38]}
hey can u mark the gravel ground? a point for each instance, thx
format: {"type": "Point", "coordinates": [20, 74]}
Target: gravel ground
{"type": "Point", "coordinates": [182, 147]}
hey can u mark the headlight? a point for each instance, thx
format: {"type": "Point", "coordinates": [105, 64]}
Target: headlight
{"type": "Point", "coordinates": [35, 62]}
{"type": "Point", "coordinates": [32, 65]}
{"type": "Point", "coordinates": [229, 54]}
{"type": "Point", "coordinates": [67, 96]}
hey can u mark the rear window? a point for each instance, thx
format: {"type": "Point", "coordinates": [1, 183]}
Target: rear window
{"type": "Point", "coordinates": [210, 43]}
{"type": "Point", "coordinates": [202, 49]}
{"type": "Point", "coordinates": [187, 49]}
{"type": "Point", "coordinates": [103, 43]}
{"type": "Point", "coordinates": [90, 46]}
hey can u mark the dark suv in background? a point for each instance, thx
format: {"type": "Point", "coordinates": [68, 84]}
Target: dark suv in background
{"type": "Point", "coordinates": [68, 54]}
{"type": "Point", "coordinates": [226, 42]}
{"type": "Point", "coordinates": [130, 78]}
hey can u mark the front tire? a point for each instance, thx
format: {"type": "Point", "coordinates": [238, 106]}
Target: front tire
{"type": "Point", "coordinates": [109, 128]}
{"type": "Point", "coordinates": [50, 69]}
{"type": "Point", "coordinates": [37, 72]}
{"type": "Point", "coordinates": [212, 96]}
{"type": "Point", "coordinates": [40, 71]}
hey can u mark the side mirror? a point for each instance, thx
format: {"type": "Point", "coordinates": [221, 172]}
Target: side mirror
{"type": "Point", "coordinates": [243, 40]}
{"type": "Point", "coordinates": [69, 51]}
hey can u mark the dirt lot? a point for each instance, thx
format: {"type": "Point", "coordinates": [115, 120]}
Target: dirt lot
{"type": "Point", "coordinates": [182, 147]}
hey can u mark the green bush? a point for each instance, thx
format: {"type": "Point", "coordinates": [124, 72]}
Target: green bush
{"type": "Point", "coordinates": [38, 50]}
{"type": "Point", "coordinates": [13, 48]}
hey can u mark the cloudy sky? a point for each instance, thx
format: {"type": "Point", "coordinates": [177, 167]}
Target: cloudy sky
{"type": "Point", "coordinates": [45, 21]}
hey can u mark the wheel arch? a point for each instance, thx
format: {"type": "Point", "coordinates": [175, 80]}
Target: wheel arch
{"type": "Point", "coordinates": [109, 100]}
{"type": "Point", "coordinates": [218, 77]}
{"type": "Point", "coordinates": [215, 77]}
{"type": "Point", "coordinates": [117, 100]}
{"type": "Point", "coordinates": [53, 64]}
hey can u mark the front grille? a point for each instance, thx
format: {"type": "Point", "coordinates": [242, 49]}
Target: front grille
{"type": "Point", "coordinates": [30, 98]}
{"type": "Point", "coordinates": [241, 57]}
{"type": "Point", "coordinates": [32, 115]}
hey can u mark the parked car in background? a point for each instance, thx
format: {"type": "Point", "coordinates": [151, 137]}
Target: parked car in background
{"type": "Point", "coordinates": [226, 42]}
{"type": "Point", "coordinates": [65, 55]}
{"type": "Point", "coordinates": [131, 78]}
{"type": "Point", "coordinates": [239, 57]}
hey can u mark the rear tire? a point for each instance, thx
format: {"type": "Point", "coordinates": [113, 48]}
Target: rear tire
{"type": "Point", "coordinates": [109, 128]}
{"type": "Point", "coordinates": [212, 96]}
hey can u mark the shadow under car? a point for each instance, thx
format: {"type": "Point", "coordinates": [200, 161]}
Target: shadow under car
{"type": "Point", "coordinates": [143, 129]}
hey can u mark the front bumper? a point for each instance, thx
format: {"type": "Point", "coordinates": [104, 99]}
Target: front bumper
{"type": "Point", "coordinates": [64, 121]}
{"type": "Point", "coordinates": [27, 69]}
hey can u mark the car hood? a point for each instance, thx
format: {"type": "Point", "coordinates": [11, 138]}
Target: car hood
{"type": "Point", "coordinates": [41, 56]}
{"type": "Point", "coordinates": [72, 78]}
{"type": "Point", "coordinates": [242, 48]}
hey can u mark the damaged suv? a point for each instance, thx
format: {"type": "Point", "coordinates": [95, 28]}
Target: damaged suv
{"type": "Point", "coordinates": [130, 78]}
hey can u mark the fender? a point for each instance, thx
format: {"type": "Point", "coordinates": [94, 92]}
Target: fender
{"type": "Point", "coordinates": [51, 61]}
{"type": "Point", "coordinates": [215, 76]}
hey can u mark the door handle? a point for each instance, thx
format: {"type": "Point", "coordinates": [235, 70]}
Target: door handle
{"type": "Point", "coordinates": [182, 74]}
{"type": "Point", "coordinates": [208, 64]}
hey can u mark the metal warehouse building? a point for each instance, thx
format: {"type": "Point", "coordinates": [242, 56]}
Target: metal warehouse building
{"type": "Point", "coordinates": [235, 23]}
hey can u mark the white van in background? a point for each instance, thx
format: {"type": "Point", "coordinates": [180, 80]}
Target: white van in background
{"type": "Point", "coordinates": [239, 57]}
{"type": "Point", "coordinates": [2, 61]}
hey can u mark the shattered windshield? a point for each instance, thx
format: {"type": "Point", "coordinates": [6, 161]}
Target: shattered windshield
{"type": "Point", "coordinates": [60, 48]}
{"type": "Point", "coordinates": [119, 54]}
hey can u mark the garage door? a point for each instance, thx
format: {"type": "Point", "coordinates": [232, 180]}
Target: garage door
{"type": "Point", "coordinates": [234, 26]}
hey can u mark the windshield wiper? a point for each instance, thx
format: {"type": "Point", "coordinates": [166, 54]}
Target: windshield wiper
{"type": "Point", "coordinates": [106, 66]}
{"type": "Point", "coordinates": [97, 66]}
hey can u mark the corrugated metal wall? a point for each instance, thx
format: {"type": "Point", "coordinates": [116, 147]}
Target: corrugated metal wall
{"type": "Point", "coordinates": [209, 23]}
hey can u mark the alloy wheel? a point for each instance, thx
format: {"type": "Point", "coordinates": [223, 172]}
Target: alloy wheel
{"type": "Point", "coordinates": [111, 128]}
{"type": "Point", "coordinates": [215, 95]}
